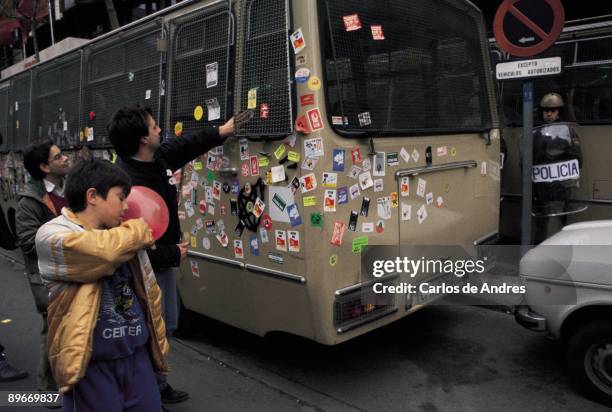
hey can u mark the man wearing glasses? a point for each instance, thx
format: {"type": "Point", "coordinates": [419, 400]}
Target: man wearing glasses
{"type": "Point", "coordinates": [41, 200]}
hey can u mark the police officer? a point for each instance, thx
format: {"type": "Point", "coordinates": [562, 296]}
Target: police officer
{"type": "Point", "coordinates": [552, 199]}
{"type": "Point", "coordinates": [550, 105]}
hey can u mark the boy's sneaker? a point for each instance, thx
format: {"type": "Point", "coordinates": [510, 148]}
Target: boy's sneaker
{"type": "Point", "coordinates": [170, 395]}
{"type": "Point", "coordinates": [8, 373]}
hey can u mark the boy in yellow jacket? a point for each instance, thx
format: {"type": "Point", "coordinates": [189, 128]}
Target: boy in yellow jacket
{"type": "Point", "coordinates": [106, 333]}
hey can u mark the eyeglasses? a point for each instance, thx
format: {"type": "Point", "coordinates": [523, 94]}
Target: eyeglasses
{"type": "Point", "coordinates": [56, 157]}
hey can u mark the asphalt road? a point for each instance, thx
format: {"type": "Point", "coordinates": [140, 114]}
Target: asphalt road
{"type": "Point", "coordinates": [443, 358]}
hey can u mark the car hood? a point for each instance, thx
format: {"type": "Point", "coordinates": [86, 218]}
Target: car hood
{"type": "Point", "coordinates": [581, 252]}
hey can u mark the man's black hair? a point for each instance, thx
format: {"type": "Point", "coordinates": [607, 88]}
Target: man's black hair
{"type": "Point", "coordinates": [126, 127]}
{"type": "Point", "coordinates": [36, 154]}
{"type": "Point", "coordinates": [98, 174]}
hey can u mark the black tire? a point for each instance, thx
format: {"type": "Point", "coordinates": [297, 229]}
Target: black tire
{"type": "Point", "coordinates": [589, 354]}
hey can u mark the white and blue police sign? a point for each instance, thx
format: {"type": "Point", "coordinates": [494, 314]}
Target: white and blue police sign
{"type": "Point", "coordinates": [556, 172]}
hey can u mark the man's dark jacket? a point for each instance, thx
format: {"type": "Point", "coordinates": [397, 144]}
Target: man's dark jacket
{"type": "Point", "coordinates": [35, 209]}
{"type": "Point", "coordinates": [172, 155]}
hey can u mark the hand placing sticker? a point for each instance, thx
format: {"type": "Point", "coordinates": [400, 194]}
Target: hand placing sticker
{"type": "Point", "coordinates": [243, 118]}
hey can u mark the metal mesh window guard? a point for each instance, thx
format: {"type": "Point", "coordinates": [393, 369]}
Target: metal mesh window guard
{"type": "Point", "coordinates": [121, 71]}
{"type": "Point", "coordinates": [398, 66]}
{"type": "Point", "coordinates": [19, 110]}
{"type": "Point", "coordinates": [595, 50]}
{"type": "Point", "coordinates": [199, 69]}
{"type": "Point", "coordinates": [55, 104]}
{"type": "Point", "coordinates": [4, 120]}
{"type": "Point", "coordinates": [587, 91]}
{"type": "Point", "coordinates": [265, 68]}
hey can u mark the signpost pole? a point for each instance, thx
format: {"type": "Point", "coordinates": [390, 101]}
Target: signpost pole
{"type": "Point", "coordinates": [527, 149]}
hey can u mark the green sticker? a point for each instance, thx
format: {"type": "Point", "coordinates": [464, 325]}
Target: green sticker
{"type": "Point", "coordinates": [333, 260]}
{"type": "Point", "coordinates": [264, 161]}
{"type": "Point", "coordinates": [249, 207]}
{"type": "Point", "coordinates": [359, 243]}
{"type": "Point", "coordinates": [210, 177]}
{"type": "Point", "coordinates": [316, 219]}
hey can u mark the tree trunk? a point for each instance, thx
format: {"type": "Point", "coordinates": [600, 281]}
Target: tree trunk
{"type": "Point", "coordinates": [112, 14]}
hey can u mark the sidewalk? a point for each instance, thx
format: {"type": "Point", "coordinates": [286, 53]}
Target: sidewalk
{"type": "Point", "coordinates": [212, 385]}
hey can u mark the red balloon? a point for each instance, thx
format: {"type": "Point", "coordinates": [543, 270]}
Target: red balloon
{"type": "Point", "coordinates": [147, 204]}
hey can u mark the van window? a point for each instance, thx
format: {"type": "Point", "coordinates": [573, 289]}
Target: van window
{"type": "Point", "coordinates": [55, 101]}
{"type": "Point", "coordinates": [19, 110]}
{"type": "Point", "coordinates": [200, 67]}
{"type": "Point", "coordinates": [265, 69]}
{"type": "Point", "coordinates": [121, 71]}
{"type": "Point", "coordinates": [586, 86]}
{"type": "Point", "coordinates": [4, 121]}
{"type": "Point", "coordinates": [397, 66]}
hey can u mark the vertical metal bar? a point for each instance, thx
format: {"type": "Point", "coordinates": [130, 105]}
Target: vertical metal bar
{"type": "Point", "coordinates": [527, 148]}
{"type": "Point", "coordinates": [51, 22]}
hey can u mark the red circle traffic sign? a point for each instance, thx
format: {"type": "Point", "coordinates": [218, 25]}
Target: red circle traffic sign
{"type": "Point", "coordinates": [532, 23]}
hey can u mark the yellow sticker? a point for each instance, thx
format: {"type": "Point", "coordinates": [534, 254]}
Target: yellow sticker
{"type": "Point", "coordinates": [81, 136]}
{"type": "Point", "coordinates": [185, 236]}
{"type": "Point", "coordinates": [198, 112]}
{"type": "Point", "coordinates": [194, 241]}
{"type": "Point", "coordinates": [294, 156]}
{"type": "Point", "coordinates": [280, 151]}
{"type": "Point", "coordinates": [310, 201]}
{"type": "Point", "coordinates": [268, 178]}
{"type": "Point", "coordinates": [252, 103]}
{"type": "Point", "coordinates": [314, 83]}
{"type": "Point", "coordinates": [264, 161]}
{"type": "Point", "coordinates": [114, 158]}
{"type": "Point", "coordinates": [197, 166]}
{"type": "Point", "coordinates": [6, 321]}
{"type": "Point", "coordinates": [178, 129]}
{"type": "Point", "coordinates": [453, 152]}
{"type": "Point", "coordinates": [394, 199]}
{"type": "Point", "coordinates": [333, 260]}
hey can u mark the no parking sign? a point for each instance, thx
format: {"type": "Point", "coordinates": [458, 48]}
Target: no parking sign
{"type": "Point", "coordinates": [525, 28]}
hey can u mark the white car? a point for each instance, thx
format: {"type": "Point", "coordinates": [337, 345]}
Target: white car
{"type": "Point", "coordinates": [568, 280]}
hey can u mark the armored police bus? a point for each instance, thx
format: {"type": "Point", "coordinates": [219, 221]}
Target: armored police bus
{"type": "Point", "coordinates": [373, 123]}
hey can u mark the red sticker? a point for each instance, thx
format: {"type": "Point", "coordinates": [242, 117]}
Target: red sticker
{"type": "Point", "coordinates": [267, 222]}
{"type": "Point", "coordinates": [92, 115]}
{"type": "Point", "coordinates": [244, 169]}
{"type": "Point", "coordinates": [356, 155]}
{"type": "Point", "coordinates": [301, 125]}
{"type": "Point", "coordinates": [316, 123]}
{"type": "Point", "coordinates": [202, 207]}
{"type": "Point", "coordinates": [352, 22]}
{"type": "Point", "coordinates": [307, 99]}
{"type": "Point", "coordinates": [264, 111]}
{"type": "Point", "coordinates": [338, 234]}
{"type": "Point", "coordinates": [254, 166]}
{"type": "Point", "coordinates": [377, 32]}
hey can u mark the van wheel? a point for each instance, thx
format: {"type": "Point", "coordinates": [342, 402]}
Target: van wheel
{"type": "Point", "coordinates": [589, 354]}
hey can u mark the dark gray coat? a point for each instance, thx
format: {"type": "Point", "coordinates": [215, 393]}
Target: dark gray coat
{"type": "Point", "coordinates": [34, 210]}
